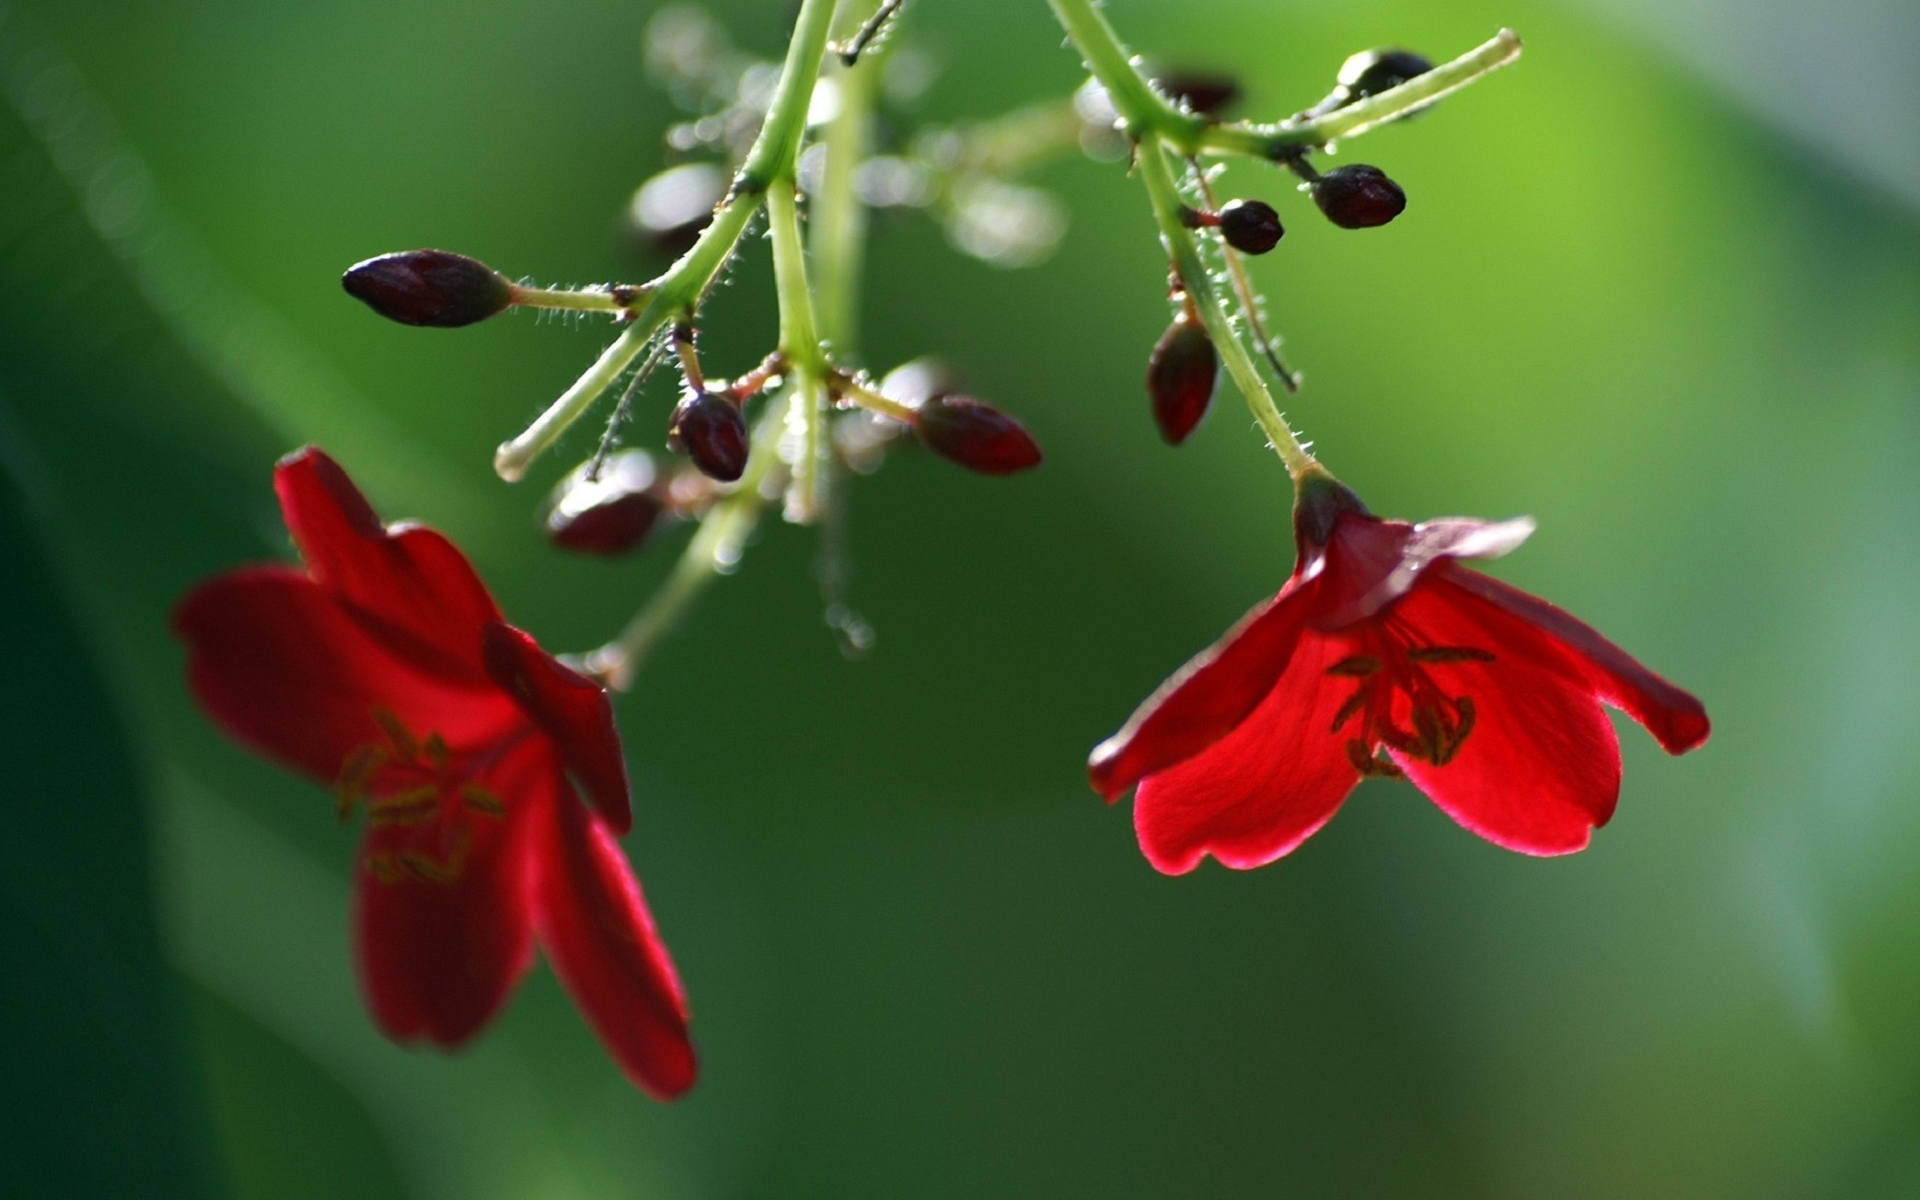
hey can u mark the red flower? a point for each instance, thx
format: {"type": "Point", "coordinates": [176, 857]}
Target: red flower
{"type": "Point", "coordinates": [385, 669]}
{"type": "Point", "coordinates": [1383, 656]}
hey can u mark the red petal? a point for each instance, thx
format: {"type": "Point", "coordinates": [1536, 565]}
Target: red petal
{"type": "Point", "coordinates": [1203, 701]}
{"type": "Point", "coordinates": [280, 665]}
{"type": "Point", "coordinates": [437, 959]}
{"type": "Point", "coordinates": [1540, 769]}
{"type": "Point", "coordinates": [600, 937]}
{"type": "Point", "coordinates": [408, 578]}
{"type": "Point", "coordinates": [1371, 563]}
{"type": "Point", "coordinates": [1674, 717]}
{"type": "Point", "coordinates": [1264, 788]}
{"type": "Point", "coordinates": [573, 710]}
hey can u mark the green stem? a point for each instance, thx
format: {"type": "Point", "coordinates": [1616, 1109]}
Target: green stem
{"type": "Point", "coordinates": [511, 460]}
{"type": "Point", "coordinates": [685, 283]}
{"type": "Point", "coordinates": [1164, 192]}
{"type": "Point", "coordinates": [837, 224]}
{"type": "Point", "coordinates": [1145, 111]}
{"type": "Point", "coordinates": [713, 550]}
{"type": "Point", "coordinates": [777, 148]}
{"type": "Point", "coordinates": [1142, 109]}
{"type": "Point", "coordinates": [715, 546]}
{"type": "Point", "coordinates": [611, 298]}
{"type": "Point", "coordinates": [800, 343]}
{"type": "Point", "coordinates": [1273, 141]}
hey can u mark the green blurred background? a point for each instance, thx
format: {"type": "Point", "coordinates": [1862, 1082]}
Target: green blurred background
{"type": "Point", "coordinates": [1658, 286]}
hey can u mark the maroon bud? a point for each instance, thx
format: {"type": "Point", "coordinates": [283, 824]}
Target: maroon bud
{"type": "Point", "coordinates": [609, 515]}
{"type": "Point", "coordinates": [919, 380]}
{"type": "Point", "coordinates": [1358, 196]}
{"type": "Point", "coordinates": [709, 428]}
{"type": "Point", "coordinates": [1371, 72]}
{"type": "Point", "coordinates": [1250, 226]}
{"type": "Point", "coordinates": [605, 515]}
{"type": "Point", "coordinates": [429, 287]}
{"type": "Point", "coordinates": [1203, 92]}
{"type": "Point", "coordinates": [669, 210]}
{"type": "Point", "coordinates": [1180, 376]}
{"type": "Point", "coordinates": [977, 436]}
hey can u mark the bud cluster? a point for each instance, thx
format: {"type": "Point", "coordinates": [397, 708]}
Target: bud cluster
{"type": "Point", "coordinates": [1184, 365]}
{"type": "Point", "coordinates": [798, 412]}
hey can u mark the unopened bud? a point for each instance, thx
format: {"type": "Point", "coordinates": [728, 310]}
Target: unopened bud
{"type": "Point", "coordinates": [1371, 72]}
{"type": "Point", "coordinates": [1358, 196]}
{"type": "Point", "coordinates": [1203, 92]}
{"type": "Point", "coordinates": [669, 210]}
{"type": "Point", "coordinates": [1181, 373]}
{"type": "Point", "coordinates": [977, 436]}
{"type": "Point", "coordinates": [919, 380]}
{"type": "Point", "coordinates": [611, 514]}
{"type": "Point", "coordinates": [709, 428]}
{"type": "Point", "coordinates": [429, 287]}
{"type": "Point", "coordinates": [1250, 226]}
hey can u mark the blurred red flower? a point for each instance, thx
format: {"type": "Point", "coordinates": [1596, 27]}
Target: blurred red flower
{"type": "Point", "coordinates": [385, 669]}
{"type": "Point", "coordinates": [1383, 656]}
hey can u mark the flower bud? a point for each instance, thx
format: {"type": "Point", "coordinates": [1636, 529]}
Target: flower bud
{"type": "Point", "coordinates": [977, 436]}
{"type": "Point", "coordinates": [1358, 196]}
{"type": "Point", "coordinates": [919, 380]}
{"type": "Point", "coordinates": [1180, 377]}
{"type": "Point", "coordinates": [1250, 226]}
{"type": "Point", "coordinates": [669, 210]}
{"type": "Point", "coordinates": [429, 287]}
{"type": "Point", "coordinates": [709, 428]}
{"type": "Point", "coordinates": [609, 515]}
{"type": "Point", "coordinates": [1371, 72]}
{"type": "Point", "coordinates": [1203, 92]}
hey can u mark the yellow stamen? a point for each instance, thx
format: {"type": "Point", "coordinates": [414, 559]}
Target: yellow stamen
{"type": "Point", "coordinates": [355, 772]}
{"type": "Point", "coordinates": [1354, 704]}
{"type": "Point", "coordinates": [1448, 654]}
{"type": "Point", "coordinates": [1357, 666]}
{"type": "Point", "coordinates": [481, 800]}
{"type": "Point", "coordinates": [398, 734]}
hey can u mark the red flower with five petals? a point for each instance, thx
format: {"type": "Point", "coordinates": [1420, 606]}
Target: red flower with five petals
{"type": "Point", "coordinates": [385, 669]}
{"type": "Point", "coordinates": [1382, 655]}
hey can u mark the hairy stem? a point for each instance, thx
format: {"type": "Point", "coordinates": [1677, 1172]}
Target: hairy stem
{"type": "Point", "coordinates": [800, 343]}
{"type": "Point", "coordinates": [1275, 140]}
{"type": "Point", "coordinates": [685, 283]}
{"type": "Point", "coordinates": [1164, 192]}
{"type": "Point", "coordinates": [1143, 110]}
{"type": "Point", "coordinates": [713, 550]}
{"type": "Point", "coordinates": [716, 545]}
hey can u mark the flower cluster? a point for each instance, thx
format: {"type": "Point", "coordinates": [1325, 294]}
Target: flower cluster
{"type": "Point", "coordinates": [489, 773]}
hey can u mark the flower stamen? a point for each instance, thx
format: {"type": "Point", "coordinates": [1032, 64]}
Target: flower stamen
{"type": "Point", "coordinates": [1388, 671]}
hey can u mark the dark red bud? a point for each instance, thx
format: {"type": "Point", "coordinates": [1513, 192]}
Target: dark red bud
{"type": "Point", "coordinates": [429, 287]}
{"type": "Point", "coordinates": [1203, 92]}
{"type": "Point", "coordinates": [710, 429]}
{"type": "Point", "coordinates": [977, 436]}
{"type": "Point", "coordinates": [669, 210]}
{"type": "Point", "coordinates": [1180, 377]}
{"type": "Point", "coordinates": [1250, 226]}
{"type": "Point", "coordinates": [1371, 72]}
{"type": "Point", "coordinates": [1358, 196]}
{"type": "Point", "coordinates": [609, 515]}
{"type": "Point", "coordinates": [919, 380]}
